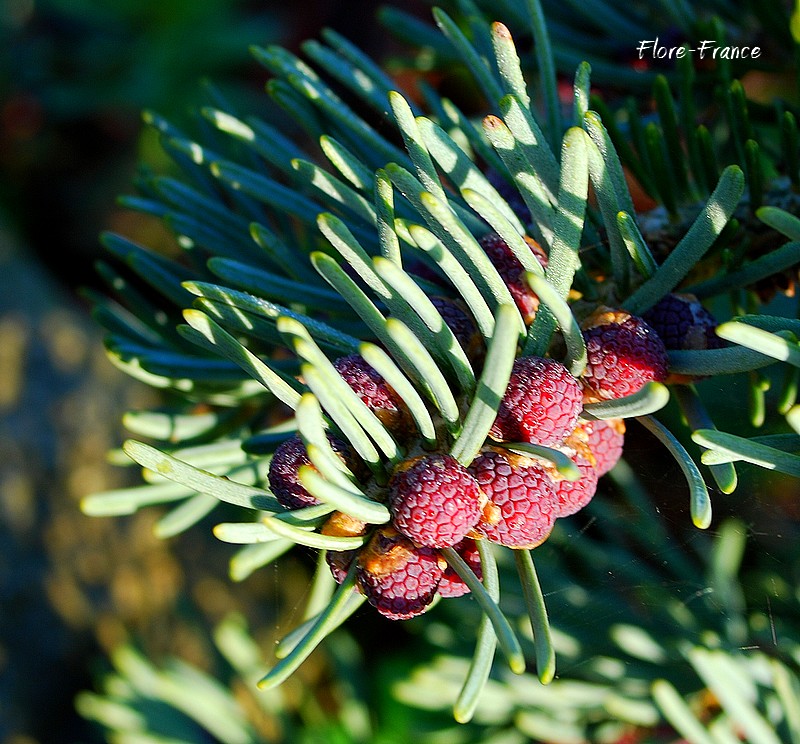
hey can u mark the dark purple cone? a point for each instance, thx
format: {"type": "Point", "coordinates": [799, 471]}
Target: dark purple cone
{"type": "Point", "coordinates": [683, 323]}
{"type": "Point", "coordinates": [376, 394]}
{"type": "Point", "coordinates": [460, 322]}
{"type": "Point", "coordinates": [288, 459]}
{"type": "Point", "coordinates": [511, 272]}
{"type": "Point", "coordinates": [509, 192]}
{"type": "Point", "coordinates": [398, 579]}
{"type": "Point", "coordinates": [340, 524]}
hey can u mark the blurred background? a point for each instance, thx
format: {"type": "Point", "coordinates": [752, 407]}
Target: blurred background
{"type": "Point", "coordinates": [74, 78]}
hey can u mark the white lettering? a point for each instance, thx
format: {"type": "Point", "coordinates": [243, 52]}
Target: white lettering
{"type": "Point", "coordinates": [644, 45]}
{"type": "Point", "coordinates": [703, 46]}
